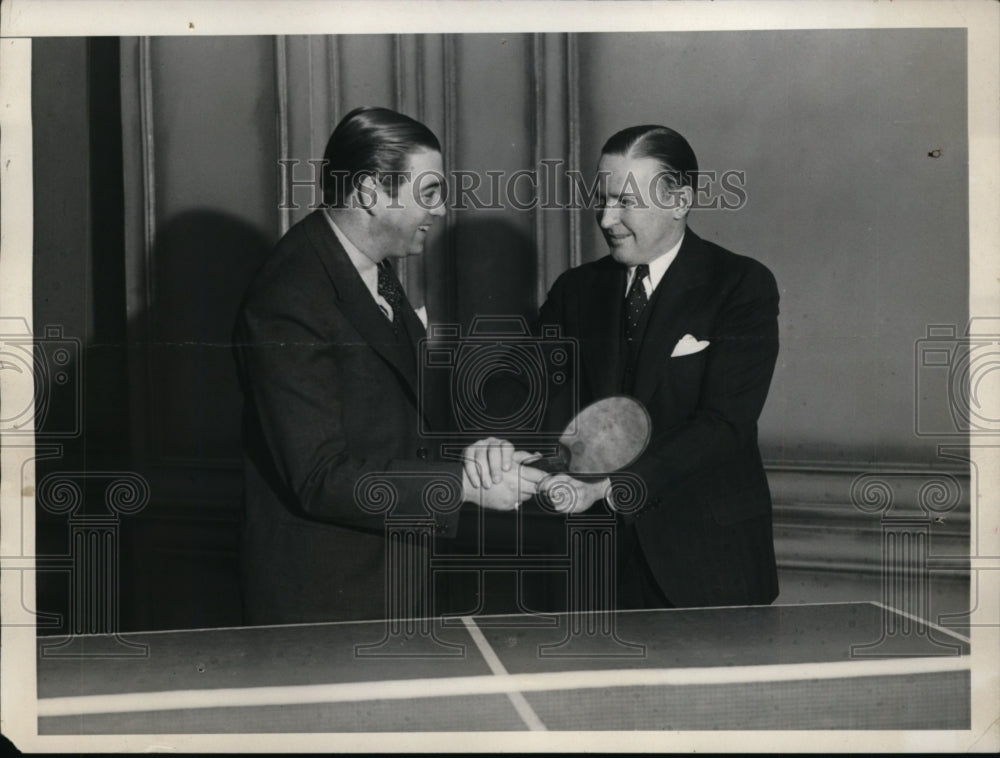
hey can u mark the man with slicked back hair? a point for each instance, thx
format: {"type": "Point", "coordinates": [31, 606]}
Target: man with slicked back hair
{"type": "Point", "coordinates": [691, 330]}
{"type": "Point", "coordinates": [327, 345]}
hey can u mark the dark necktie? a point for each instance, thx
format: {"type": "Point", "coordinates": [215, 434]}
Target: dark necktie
{"type": "Point", "coordinates": [388, 287]}
{"type": "Point", "coordinates": [635, 301]}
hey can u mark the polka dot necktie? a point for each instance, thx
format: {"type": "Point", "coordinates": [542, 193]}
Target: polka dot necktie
{"type": "Point", "coordinates": [388, 287]}
{"type": "Point", "coordinates": [635, 301]}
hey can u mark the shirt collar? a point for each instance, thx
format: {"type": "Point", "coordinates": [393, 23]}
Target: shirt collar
{"type": "Point", "coordinates": [366, 267]}
{"type": "Point", "coordinates": [659, 265]}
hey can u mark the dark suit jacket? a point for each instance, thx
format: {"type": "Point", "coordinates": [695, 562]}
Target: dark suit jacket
{"type": "Point", "coordinates": [704, 526]}
{"type": "Point", "coordinates": [330, 402]}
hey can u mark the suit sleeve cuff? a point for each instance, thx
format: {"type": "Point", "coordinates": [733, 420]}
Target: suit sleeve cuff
{"type": "Point", "coordinates": [629, 496]}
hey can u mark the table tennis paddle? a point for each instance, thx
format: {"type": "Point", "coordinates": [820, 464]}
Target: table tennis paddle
{"type": "Point", "coordinates": [604, 437]}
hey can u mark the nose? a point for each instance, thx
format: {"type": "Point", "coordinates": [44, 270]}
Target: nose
{"type": "Point", "coordinates": [437, 209]}
{"type": "Point", "coordinates": [608, 215]}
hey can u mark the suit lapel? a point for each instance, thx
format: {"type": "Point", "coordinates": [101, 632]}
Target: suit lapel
{"type": "Point", "coordinates": [677, 294]}
{"type": "Point", "coordinates": [357, 304]}
{"type": "Point", "coordinates": [602, 329]}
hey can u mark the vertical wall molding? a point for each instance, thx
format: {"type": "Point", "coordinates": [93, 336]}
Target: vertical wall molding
{"type": "Point", "coordinates": [281, 85]}
{"type": "Point", "coordinates": [323, 91]}
{"type": "Point", "coordinates": [418, 77]}
{"type": "Point", "coordinates": [427, 97]}
{"type": "Point", "coordinates": [398, 87]}
{"type": "Point", "coordinates": [407, 98]}
{"type": "Point", "coordinates": [556, 138]}
{"type": "Point", "coordinates": [139, 180]}
{"type": "Point", "coordinates": [334, 105]}
{"type": "Point", "coordinates": [573, 121]}
{"type": "Point", "coordinates": [397, 72]}
{"type": "Point", "coordinates": [148, 156]}
{"type": "Point", "coordinates": [451, 136]}
{"type": "Point", "coordinates": [149, 224]}
{"type": "Point", "coordinates": [538, 61]}
{"type": "Point", "coordinates": [308, 80]}
{"type": "Point", "coordinates": [311, 78]}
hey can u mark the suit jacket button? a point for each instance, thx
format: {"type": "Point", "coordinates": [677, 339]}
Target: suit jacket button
{"type": "Point", "coordinates": [422, 453]}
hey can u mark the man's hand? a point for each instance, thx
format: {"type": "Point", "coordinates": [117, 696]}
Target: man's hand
{"type": "Point", "coordinates": [568, 495]}
{"type": "Point", "coordinates": [488, 461]}
{"type": "Point", "coordinates": [515, 485]}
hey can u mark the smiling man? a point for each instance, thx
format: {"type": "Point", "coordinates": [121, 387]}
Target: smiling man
{"type": "Point", "coordinates": [327, 347]}
{"type": "Point", "coordinates": [691, 330]}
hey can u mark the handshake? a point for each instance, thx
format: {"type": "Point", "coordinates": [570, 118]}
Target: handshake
{"type": "Point", "coordinates": [498, 477]}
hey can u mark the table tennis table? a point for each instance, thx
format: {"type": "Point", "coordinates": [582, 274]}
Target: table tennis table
{"type": "Point", "coordinates": [824, 666]}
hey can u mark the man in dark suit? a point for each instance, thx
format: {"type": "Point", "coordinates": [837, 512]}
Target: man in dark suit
{"type": "Point", "coordinates": [327, 347]}
{"type": "Point", "coordinates": [690, 330]}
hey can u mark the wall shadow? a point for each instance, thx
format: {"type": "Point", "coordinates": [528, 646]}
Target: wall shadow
{"type": "Point", "coordinates": [200, 266]}
{"type": "Point", "coordinates": [496, 264]}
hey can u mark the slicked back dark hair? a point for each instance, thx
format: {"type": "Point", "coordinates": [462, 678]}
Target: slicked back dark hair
{"type": "Point", "coordinates": [661, 143]}
{"type": "Point", "coordinates": [374, 142]}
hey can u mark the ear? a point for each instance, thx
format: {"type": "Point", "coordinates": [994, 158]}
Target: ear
{"type": "Point", "coordinates": [684, 200]}
{"type": "Point", "coordinates": [366, 193]}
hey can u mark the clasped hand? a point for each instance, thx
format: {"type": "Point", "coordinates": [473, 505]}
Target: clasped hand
{"type": "Point", "coordinates": [498, 477]}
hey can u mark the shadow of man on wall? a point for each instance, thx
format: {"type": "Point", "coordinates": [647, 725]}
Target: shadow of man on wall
{"type": "Point", "coordinates": [182, 550]}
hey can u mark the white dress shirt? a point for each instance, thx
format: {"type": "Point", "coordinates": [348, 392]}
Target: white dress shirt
{"type": "Point", "coordinates": [657, 268]}
{"type": "Point", "coordinates": [367, 268]}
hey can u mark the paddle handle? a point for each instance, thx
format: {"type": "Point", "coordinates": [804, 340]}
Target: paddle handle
{"type": "Point", "coordinates": [560, 464]}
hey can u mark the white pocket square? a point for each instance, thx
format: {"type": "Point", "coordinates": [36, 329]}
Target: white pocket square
{"type": "Point", "coordinates": [687, 345]}
{"type": "Point", "coordinates": [422, 314]}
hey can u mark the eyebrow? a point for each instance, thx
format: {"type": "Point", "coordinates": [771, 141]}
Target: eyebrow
{"type": "Point", "coordinates": [615, 195]}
